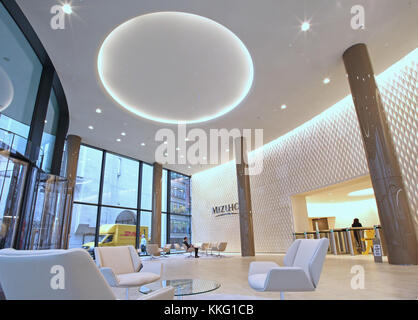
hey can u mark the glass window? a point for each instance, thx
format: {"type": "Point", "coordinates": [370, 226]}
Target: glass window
{"type": "Point", "coordinates": [146, 191]}
{"type": "Point", "coordinates": [88, 175]}
{"type": "Point", "coordinates": [117, 227]}
{"type": "Point", "coordinates": [49, 134]}
{"type": "Point", "coordinates": [146, 225]}
{"type": "Point", "coordinates": [179, 228]}
{"type": "Point", "coordinates": [12, 173]}
{"type": "Point", "coordinates": [164, 191]}
{"type": "Point", "coordinates": [120, 185]}
{"type": "Point", "coordinates": [20, 73]}
{"type": "Point", "coordinates": [163, 229]}
{"type": "Point", "coordinates": [120, 189]}
{"type": "Point", "coordinates": [180, 194]}
{"type": "Point", "coordinates": [83, 227]}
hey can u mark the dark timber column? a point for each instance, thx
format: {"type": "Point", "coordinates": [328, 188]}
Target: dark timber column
{"type": "Point", "coordinates": [156, 204]}
{"type": "Point", "coordinates": [244, 199]}
{"type": "Point", "coordinates": [392, 203]}
{"type": "Point", "coordinates": [72, 155]}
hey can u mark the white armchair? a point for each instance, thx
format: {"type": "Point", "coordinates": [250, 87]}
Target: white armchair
{"type": "Point", "coordinates": [122, 267]}
{"type": "Point", "coordinates": [303, 265]}
{"type": "Point", "coordinates": [34, 275]}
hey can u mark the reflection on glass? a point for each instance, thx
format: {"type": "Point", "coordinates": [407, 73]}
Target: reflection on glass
{"type": "Point", "coordinates": [146, 194]}
{"type": "Point", "coordinates": [83, 227]}
{"type": "Point", "coordinates": [49, 134]}
{"type": "Point", "coordinates": [120, 186]}
{"type": "Point", "coordinates": [48, 212]}
{"type": "Point", "coordinates": [12, 135]}
{"type": "Point", "coordinates": [23, 68]}
{"type": "Point", "coordinates": [88, 175]}
{"type": "Point", "coordinates": [12, 177]}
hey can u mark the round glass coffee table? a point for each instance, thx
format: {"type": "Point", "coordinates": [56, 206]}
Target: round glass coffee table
{"type": "Point", "coordinates": [183, 287]}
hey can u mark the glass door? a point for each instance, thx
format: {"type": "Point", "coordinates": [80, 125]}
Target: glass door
{"type": "Point", "coordinates": [12, 181]}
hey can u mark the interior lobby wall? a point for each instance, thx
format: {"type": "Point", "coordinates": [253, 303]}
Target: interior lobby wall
{"type": "Point", "coordinates": [345, 212]}
{"type": "Point", "coordinates": [324, 151]}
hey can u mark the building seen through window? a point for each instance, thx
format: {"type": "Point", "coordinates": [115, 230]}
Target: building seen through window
{"type": "Point", "coordinates": [113, 198]}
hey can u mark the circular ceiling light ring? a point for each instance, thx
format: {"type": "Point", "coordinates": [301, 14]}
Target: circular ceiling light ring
{"type": "Point", "coordinates": [6, 90]}
{"type": "Point", "coordinates": [175, 68]}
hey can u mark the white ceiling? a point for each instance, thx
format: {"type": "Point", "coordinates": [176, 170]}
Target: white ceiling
{"type": "Point", "coordinates": [289, 65]}
{"type": "Point", "coordinates": [339, 192]}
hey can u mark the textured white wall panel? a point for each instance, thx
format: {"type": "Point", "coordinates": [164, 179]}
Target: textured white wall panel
{"type": "Point", "coordinates": [324, 151]}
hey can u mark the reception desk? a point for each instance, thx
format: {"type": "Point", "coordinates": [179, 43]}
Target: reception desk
{"type": "Point", "coordinates": [353, 241]}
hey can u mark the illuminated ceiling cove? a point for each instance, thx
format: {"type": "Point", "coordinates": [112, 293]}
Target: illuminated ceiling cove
{"type": "Point", "coordinates": [175, 67]}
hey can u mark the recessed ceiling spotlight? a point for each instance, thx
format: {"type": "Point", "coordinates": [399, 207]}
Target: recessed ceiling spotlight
{"type": "Point", "coordinates": [165, 142]}
{"type": "Point", "coordinates": [67, 8]}
{"type": "Point", "coordinates": [283, 106]}
{"type": "Point", "coordinates": [227, 150]}
{"type": "Point", "coordinates": [187, 139]}
{"type": "Point", "coordinates": [189, 167]}
{"type": "Point", "coordinates": [123, 134]}
{"type": "Point", "coordinates": [91, 127]}
{"type": "Point", "coordinates": [118, 140]}
{"type": "Point", "coordinates": [326, 80]}
{"type": "Point", "coordinates": [46, 121]}
{"type": "Point", "coordinates": [143, 144]}
{"type": "Point", "coordinates": [98, 110]}
{"type": "Point", "coordinates": [305, 26]}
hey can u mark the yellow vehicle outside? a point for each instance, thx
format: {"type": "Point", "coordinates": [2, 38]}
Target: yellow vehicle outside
{"type": "Point", "coordinates": [113, 235]}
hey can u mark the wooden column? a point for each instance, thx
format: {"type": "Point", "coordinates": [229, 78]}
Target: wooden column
{"type": "Point", "coordinates": [244, 199]}
{"type": "Point", "coordinates": [156, 204]}
{"type": "Point", "coordinates": [392, 203]}
{"type": "Point", "coordinates": [72, 155]}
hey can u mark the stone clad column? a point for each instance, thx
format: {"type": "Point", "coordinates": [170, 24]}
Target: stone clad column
{"type": "Point", "coordinates": [72, 155]}
{"type": "Point", "coordinates": [392, 203]}
{"type": "Point", "coordinates": [244, 199]}
{"type": "Point", "coordinates": [156, 204]}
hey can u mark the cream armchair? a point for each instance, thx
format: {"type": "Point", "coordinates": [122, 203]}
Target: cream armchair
{"type": "Point", "coordinates": [58, 275]}
{"type": "Point", "coordinates": [178, 247]}
{"type": "Point", "coordinates": [153, 250]}
{"type": "Point", "coordinates": [221, 247]}
{"type": "Point", "coordinates": [122, 267]}
{"type": "Point", "coordinates": [205, 247]}
{"type": "Point", "coordinates": [303, 265]}
{"type": "Point", "coordinates": [213, 247]}
{"type": "Point", "coordinates": [166, 250]}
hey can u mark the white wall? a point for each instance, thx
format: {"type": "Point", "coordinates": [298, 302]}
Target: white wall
{"type": "Point", "coordinates": [345, 212]}
{"type": "Point", "coordinates": [324, 151]}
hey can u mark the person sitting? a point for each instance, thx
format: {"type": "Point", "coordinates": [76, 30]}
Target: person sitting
{"type": "Point", "coordinates": [191, 247]}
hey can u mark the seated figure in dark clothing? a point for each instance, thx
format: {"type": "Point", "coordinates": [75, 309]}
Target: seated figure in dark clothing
{"type": "Point", "coordinates": [190, 246]}
{"type": "Point", "coordinates": [357, 224]}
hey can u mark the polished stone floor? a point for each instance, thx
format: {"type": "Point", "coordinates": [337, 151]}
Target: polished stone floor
{"type": "Point", "coordinates": [381, 281]}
